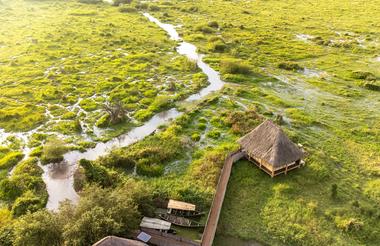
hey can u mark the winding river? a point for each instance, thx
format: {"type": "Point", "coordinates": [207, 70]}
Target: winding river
{"type": "Point", "coordinates": [59, 177]}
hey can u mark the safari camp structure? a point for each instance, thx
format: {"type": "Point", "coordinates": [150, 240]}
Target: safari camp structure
{"type": "Point", "coordinates": [271, 150]}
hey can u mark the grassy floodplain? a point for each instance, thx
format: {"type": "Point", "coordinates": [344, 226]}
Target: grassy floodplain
{"type": "Point", "coordinates": [313, 67]}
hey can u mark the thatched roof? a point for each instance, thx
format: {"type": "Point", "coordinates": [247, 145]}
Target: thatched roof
{"type": "Point", "coordinates": [181, 205]}
{"type": "Point", "coordinates": [268, 142]}
{"type": "Point", "coordinates": [118, 241]}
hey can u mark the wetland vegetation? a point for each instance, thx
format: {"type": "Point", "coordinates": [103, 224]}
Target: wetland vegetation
{"type": "Point", "coordinates": [74, 74]}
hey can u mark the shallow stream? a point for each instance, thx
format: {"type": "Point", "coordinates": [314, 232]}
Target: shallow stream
{"type": "Point", "coordinates": [59, 177]}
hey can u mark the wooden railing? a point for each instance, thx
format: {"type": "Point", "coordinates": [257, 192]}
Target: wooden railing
{"type": "Point", "coordinates": [217, 203]}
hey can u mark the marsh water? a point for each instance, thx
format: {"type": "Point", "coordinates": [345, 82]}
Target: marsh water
{"type": "Point", "coordinates": [59, 177]}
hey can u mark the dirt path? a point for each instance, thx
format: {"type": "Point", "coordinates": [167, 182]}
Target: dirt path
{"type": "Point", "coordinates": [216, 207]}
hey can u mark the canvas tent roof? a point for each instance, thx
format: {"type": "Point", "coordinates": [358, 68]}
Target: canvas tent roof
{"type": "Point", "coordinates": [268, 142]}
{"type": "Point", "coordinates": [153, 223]}
{"type": "Point", "coordinates": [118, 241]}
{"type": "Point", "coordinates": [181, 205]}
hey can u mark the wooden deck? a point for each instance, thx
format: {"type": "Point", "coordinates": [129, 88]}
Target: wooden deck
{"type": "Point", "coordinates": [217, 203]}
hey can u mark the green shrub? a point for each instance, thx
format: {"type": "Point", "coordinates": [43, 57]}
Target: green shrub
{"type": "Point", "coordinates": [97, 174]}
{"type": "Point", "coordinates": [90, 1]}
{"type": "Point", "coordinates": [217, 47]}
{"type": "Point", "coordinates": [372, 189]}
{"type": "Point", "coordinates": [242, 122]}
{"type": "Point", "coordinates": [28, 202]}
{"type": "Point", "coordinates": [127, 9]}
{"type": "Point", "coordinates": [234, 67]}
{"type": "Point", "coordinates": [154, 8]}
{"type": "Point", "coordinates": [143, 114]}
{"type": "Point", "coordinates": [363, 75]}
{"type": "Point", "coordinates": [141, 6]}
{"type": "Point", "coordinates": [29, 167]}
{"type": "Point", "coordinates": [103, 121]}
{"type": "Point", "coordinates": [213, 24]}
{"type": "Point", "coordinates": [202, 126]}
{"type": "Point", "coordinates": [204, 29]}
{"type": "Point", "coordinates": [88, 104]}
{"type": "Point", "coordinates": [215, 134]}
{"type": "Point", "coordinates": [117, 159]}
{"type": "Point", "coordinates": [196, 137]}
{"type": "Point", "coordinates": [372, 86]}
{"type": "Point", "coordinates": [149, 170]}
{"type": "Point", "coordinates": [37, 152]}
{"type": "Point", "coordinates": [348, 224]}
{"type": "Point", "coordinates": [53, 151]}
{"type": "Point", "coordinates": [291, 66]}
{"type": "Point", "coordinates": [10, 160]}
{"type": "Point", "coordinates": [120, 2]}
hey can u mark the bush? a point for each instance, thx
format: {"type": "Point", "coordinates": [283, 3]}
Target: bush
{"type": "Point", "coordinates": [291, 66]}
{"type": "Point", "coordinates": [196, 137]}
{"type": "Point", "coordinates": [363, 75]}
{"type": "Point", "coordinates": [204, 29]}
{"type": "Point", "coordinates": [234, 67]}
{"type": "Point", "coordinates": [217, 47]}
{"type": "Point", "coordinates": [41, 228]}
{"type": "Point", "coordinates": [28, 202]}
{"type": "Point", "coordinates": [213, 24]}
{"type": "Point", "coordinates": [90, 1]}
{"type": "Point", "coordinates": [154, 8]}
{"type": "Point", "coordinates": [10, 160]}
{"type": "Point", "coordinates": [103, 121]}
{"type": "Point", "coordinates": [29, 167]}
{"type": "Point", "coordinates": [149, 170]}
{"type": "Point", "coordinates": [142, 6]}
{"type": "Point", "coordinates": [372, 86]}
{"type": "Point", "coordinates": [53, 151]}
{"type": "Point", "coordinates": [96, 174]}
{"type": "Point", "coordinates": [215, 134]}
{"type": "Point", "coordinates": [127, 10]}
{"type": "Point", "coordinates": [348, 224]}
{"type": "Point", "coordinates": [118, 2]}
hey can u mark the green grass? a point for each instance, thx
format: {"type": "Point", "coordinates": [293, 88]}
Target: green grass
{"type": "Point", "coordinates": [329, 111]}
{"type": "Point", "coordinates": [316, 86]}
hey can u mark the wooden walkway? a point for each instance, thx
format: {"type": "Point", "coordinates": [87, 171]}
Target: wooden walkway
{"type": "Point", "coordinates": [217, 203]}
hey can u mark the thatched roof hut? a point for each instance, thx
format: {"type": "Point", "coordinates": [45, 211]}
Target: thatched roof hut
{"type": "Point", "coordinates": [269, 148]}
{"type": "Point", "coordinates": [118, 241]}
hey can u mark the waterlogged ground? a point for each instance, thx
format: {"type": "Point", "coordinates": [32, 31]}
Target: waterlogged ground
{"type": "Point", "coordinates": [323, 105]}
{"type": "Point", "coordinates": [58, 70]}
{"type": "Point", "coordinates": [315, 74]}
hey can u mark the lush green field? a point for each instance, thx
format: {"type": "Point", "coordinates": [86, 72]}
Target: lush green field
{"type": "Point", "coordinates": [310, 63]}
{"type": "Point", "coordinates": [313, 67]}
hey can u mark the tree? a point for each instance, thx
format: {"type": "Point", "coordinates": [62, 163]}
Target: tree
{"type": "Point", "coordinates": [100, 212]}
{"type": "Point", "coordinates": [41, 228]}
{"type": "Point", "coordinates": [92, 225]}
{"type": "Point", "coordinates": [116, 111]}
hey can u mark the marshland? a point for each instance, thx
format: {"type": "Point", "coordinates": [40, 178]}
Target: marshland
{"type": "Point", "coordinates": [109, 109]}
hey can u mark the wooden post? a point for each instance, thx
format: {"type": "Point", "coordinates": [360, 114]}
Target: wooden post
{"type": "Point", "coordinates": [286, 169]}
